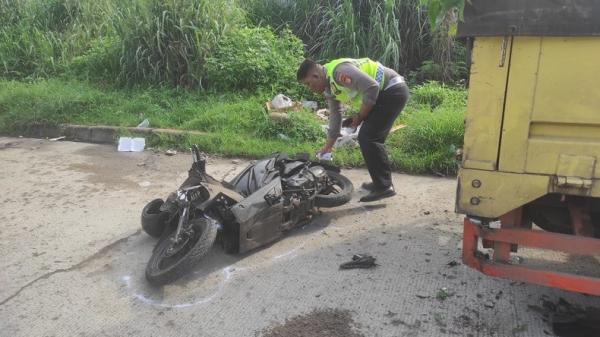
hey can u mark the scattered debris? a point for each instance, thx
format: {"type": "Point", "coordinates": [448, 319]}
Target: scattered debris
{"type": "Point", "coordinates": [463, 321]}
{"type": "Point", "coordinates": [426, 212]}
{"type": "Point", "coordinates": [141, 164]}
{"type": "Point", "coordinates": [397, 322]}
{"type": "Point", "coordinates": [390, 314]}
{"type": "Point", "coordinates": [280, 101]}
{"type": "Point", "coordinates": [515, 259]}
{"type": "Point", "coordinates": [397, 127]}
{"type": "Point", "coordinates": [440, 320]}
{"type": "Point", "coordinates": [144, 124]}
{"type": "Point", "coordinates": [144, 184]}
{"type": "Point", "coordinates": [312, 105]}
{"type": "Point", "coordinates": [415, 326]}
{"type": "Point", "coordinates": [499, 294]}
{"type": "Point", "coordinates": [348, 138]}
{"type": "Point", "coordinates": [569, 320]}
{"type": "Point", "coordinates": [235, 161]}
{"type": "Point", "coordinates": [170, 152]}
{"type": "Point", "coordinates": [128, 144]}
{"type": "Point", "coordinates": [452, 263]}
{"type": "Point", "coordinates": [322, 114]}
{"type": "Point", "coordinates": [519, 328]}
{"type": "Point", "coordinates": [443, 294]}
{"type": "Point", "coordinates": [279, 116]}
{"type": "Point", "coordinates": [8, 145]}
{"type": "Point", "coordinates": [422, 295]}
{"type": "Point", "coordinates": [57, 138]}
{"type": "Point", "coordinates": [489, 304]}
{"type": "Point", "coordinates": [360, 261]}
{"type": "Point", "coordinates": [319, 323]}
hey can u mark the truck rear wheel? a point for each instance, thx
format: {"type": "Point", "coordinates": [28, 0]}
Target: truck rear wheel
{"type": "Point", "coordinates": [558, 219]}
{"type": "Point", "coordinates": [551, 219]}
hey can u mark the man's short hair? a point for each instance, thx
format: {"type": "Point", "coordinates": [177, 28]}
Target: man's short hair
{"type": "Point", "coordinates": [305, 67]}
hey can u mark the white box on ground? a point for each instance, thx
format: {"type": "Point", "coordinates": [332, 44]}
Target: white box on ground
{"type": "Point", "coordinates": [128, 144]}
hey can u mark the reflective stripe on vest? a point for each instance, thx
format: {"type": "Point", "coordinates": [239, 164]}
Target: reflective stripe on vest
{"type": "Point", "coordinates": [345, 95]}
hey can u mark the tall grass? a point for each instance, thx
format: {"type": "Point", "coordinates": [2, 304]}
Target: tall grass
{"type": "Point", "coordinates": [132, 42]}
{"type": "Point", "coordinates": [394, 32]}
{"type": "Point", "coordinates": [169, 41]}
{"type": "Point", "coordinates": [38, 38]}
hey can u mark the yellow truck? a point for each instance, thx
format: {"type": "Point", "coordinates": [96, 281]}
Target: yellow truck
{"type": "Point", "coordinates": [532, 134]}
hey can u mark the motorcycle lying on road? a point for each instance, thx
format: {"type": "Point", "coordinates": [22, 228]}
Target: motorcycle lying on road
{"type": "Point", "coordinates": [268, 198]}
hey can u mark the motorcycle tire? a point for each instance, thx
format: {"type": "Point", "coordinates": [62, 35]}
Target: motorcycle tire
{"type": "Point", "coordinates": [163, 269]}
{"type": "Point", "coordinates": [153, 220]}
{"type": "Point", "coordinates": [337, 197]}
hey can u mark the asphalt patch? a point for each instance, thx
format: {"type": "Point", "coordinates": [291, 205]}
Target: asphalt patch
{"type": "Point", "coordinates": [318, 323]}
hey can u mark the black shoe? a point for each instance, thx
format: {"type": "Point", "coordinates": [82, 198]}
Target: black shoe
{"type": "Point", "coordinates": [379, 194]}
{"type": "Point", "coordinates": [368, 186]}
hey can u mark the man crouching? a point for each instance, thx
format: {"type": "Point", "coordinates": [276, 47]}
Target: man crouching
{"type": "Point", "coordinates": [382, 94]}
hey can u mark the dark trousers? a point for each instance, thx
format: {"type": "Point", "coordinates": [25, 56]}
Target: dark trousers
{"type": "Point", "coordinates": [375, 129]}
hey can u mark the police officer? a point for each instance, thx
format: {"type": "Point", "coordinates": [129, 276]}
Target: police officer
{"type": "Point", "coordinates": [382, 94]}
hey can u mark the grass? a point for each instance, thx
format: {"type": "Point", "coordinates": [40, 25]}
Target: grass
{"type": "Point", "coordinates": [173, 43]}
{"type": "Point", "coordinates": [395, 32]}
{"type": "Point", "coordinates": [237, 124]}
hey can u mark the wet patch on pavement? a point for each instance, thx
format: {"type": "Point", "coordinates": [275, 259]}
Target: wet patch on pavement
{"type": "Point", "coordinates": [318, 323]}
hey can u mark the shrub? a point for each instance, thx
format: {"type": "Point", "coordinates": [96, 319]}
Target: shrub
{"type": "Point", "coordinates": [250, 58]}
{"type": "Point", "coordinates": [301, 126]}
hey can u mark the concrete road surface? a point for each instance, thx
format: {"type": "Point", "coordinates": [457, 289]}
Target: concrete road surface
{"type": "Point", "coordinates": [72, 258]}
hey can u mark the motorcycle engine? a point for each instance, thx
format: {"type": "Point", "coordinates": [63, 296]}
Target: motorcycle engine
{"type": "Point", "coordinates": [305, 179]}
{"type": "Point", "coordinates": [301, 186]}
{"type": "Point", "coordinates": [299, 190]}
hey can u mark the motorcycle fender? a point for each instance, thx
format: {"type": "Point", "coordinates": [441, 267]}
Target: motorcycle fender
{"type": "Point", "coordinates": [260, 222]}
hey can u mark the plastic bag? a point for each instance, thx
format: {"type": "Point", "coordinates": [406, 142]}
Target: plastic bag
{"type": "Point", "coordinates": [281, 101]}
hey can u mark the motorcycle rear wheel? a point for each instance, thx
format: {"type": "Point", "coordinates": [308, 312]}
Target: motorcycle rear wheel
{"type": "Point", "coordinates": [339, 193]}
{"type": "Point", "coordinates": [166, 266]}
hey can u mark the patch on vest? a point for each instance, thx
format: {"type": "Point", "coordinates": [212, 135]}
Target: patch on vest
{"type": "Point", "coordinates": [345, 79]}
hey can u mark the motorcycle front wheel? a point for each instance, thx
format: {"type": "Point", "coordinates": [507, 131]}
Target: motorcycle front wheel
{"type": "Point", "coordinates": [170, 260]}
{"type": "Point", "coordinates": [336, 193]}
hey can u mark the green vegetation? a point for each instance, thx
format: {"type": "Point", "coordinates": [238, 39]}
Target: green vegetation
{"type": "Point", "coordinates": [237, 124]}
{"type": "Point", "coordinates": [211, 65]}
{"type": "Point", "coordinates": [357, 28]}
{"type": "Point", "coordinates": [256, 57]}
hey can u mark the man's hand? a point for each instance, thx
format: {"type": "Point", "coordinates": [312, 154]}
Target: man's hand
{"type": "Point", "coordinates": [356, 120]}
{"type": "Point", "coordinates": [328, 147]}
{"type": "Point", "coordinates": [347, 122]}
